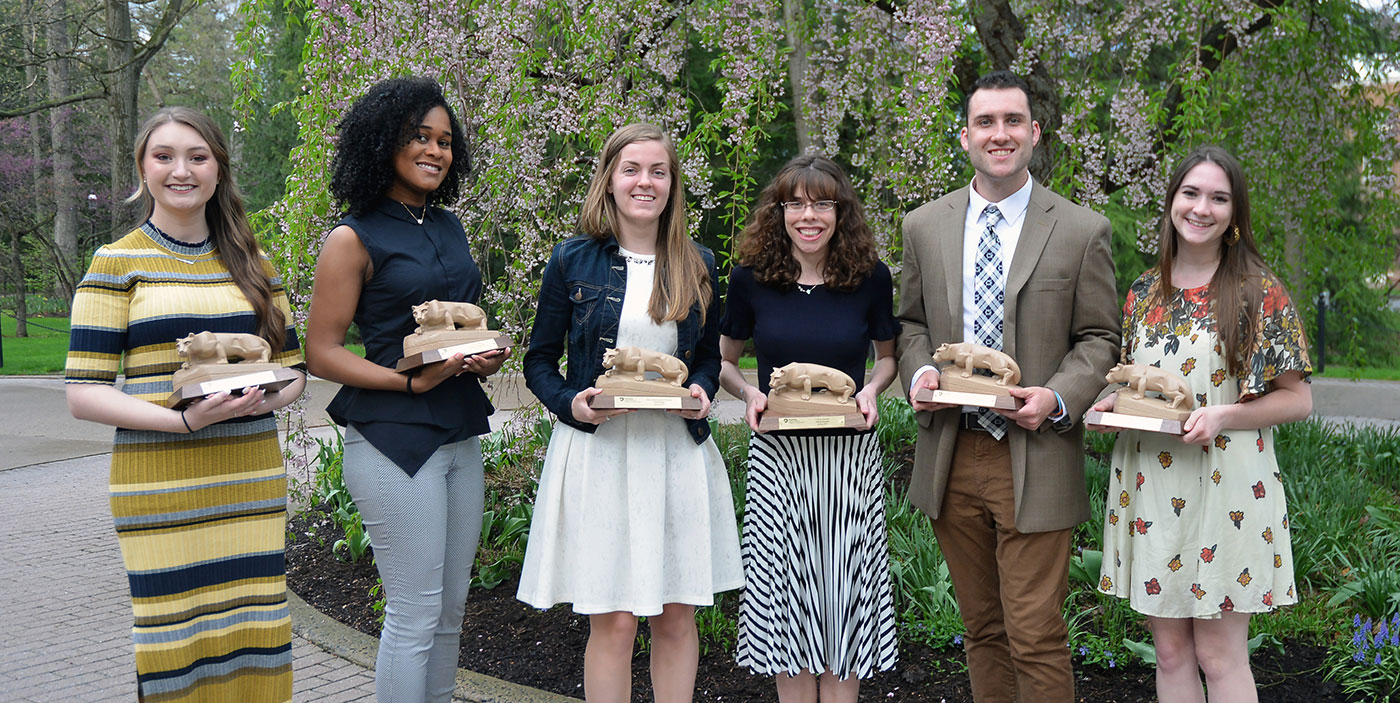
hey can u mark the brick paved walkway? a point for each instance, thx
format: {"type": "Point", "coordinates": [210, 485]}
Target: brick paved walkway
{"type": "Point", "coordinates": [65, 624]}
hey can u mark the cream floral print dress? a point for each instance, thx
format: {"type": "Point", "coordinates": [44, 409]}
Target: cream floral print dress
{"type": "Point", "coordinates": [1190, 531]}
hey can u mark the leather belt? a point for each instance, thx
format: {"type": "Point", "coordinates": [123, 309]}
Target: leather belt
{"type": "Point", "coordinates": [968, 421]}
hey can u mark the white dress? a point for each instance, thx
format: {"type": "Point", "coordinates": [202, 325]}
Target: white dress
{"type": "Point", "coordinates": [635, 515]}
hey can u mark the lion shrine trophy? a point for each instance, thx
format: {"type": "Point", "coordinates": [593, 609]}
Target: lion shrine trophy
{"type": "Point", "coordinates": [810, 397]}
{"type": "Point", "coordinates": [447, 328]}
{"type": "Point", "coordinates": [625, 383]}
{"type": "Point", "coordinates": [1134, 409]}
{"type": "Point", "coordinates": [209, 366]}
{"type": "Point", "coordinates": [958, 385]}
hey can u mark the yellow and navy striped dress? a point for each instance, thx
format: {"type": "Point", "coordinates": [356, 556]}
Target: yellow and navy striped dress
{"type": "Point", "coordinates": [200, 517]}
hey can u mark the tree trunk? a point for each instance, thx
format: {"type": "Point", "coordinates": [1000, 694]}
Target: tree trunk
{"type": "Point", "coordinates": [122, 85]}
{"type": "Point", "coordinates": [36, 155]}
{"type": "Point", "coordinates": [793, 11]}
{"type": "Point", "coordinates": [64, 185]}
{"type": "Point", "coordinates": [1002, 33]}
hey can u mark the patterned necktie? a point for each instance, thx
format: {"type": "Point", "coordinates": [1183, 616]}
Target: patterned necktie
{"type": "Point", "coordinates": [988, 296]}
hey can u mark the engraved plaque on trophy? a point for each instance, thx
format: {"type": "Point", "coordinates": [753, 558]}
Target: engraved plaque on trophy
{"type": "Point", "coordinates": [639, 378]}
{"type": "Point", "coordinates": [958, 384]}
{"type": "Point", "coordinates": [447, 328]}
{"type": "Point", "coordinates": [810, 397]}
{"type": "Point", "coordinates": [1134, 409]}
{"type": "Point", "coordinates": [224, 361]}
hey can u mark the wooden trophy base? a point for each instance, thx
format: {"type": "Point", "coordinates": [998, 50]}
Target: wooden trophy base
{"type": "Point", "coordinates": [1148, 414]}
{"type": "Point", "coordinates": [431, 347]}
{"type": "Point", "coordinates": [977, 390]}
{"type": "Point", "coordinates": [788, 411]}
{"type": "Point", "coordinates": [623, 392]}
{"type": "Point", "coordinates": [195, 383]}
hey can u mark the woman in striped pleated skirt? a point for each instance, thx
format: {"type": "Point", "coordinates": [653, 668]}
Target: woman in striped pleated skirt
{"type": "Point", "coordinates": [199, 496]}
{"type": "Point", "coordinates": [817, 612]}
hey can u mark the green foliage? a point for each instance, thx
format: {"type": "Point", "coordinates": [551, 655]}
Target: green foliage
{"type": "Point", "coordinates": [897, 428]}
{"type": "Point", "coordinates": [1102, 631]}
{"type": "Point", "coordinates": [1331, 475]}
{"type": "Point", "coordinates": [267, 80]}
{"type": "Point", "coordinates": [1374, 588]}
{"type": "Point", "coordinates": [923, 591]}
{"type": "Point", "coordinates": [512, 457]}
{"type": "Point", "coordinates": [505, 530]}
{"type": "Point", "coordinates": [328, 488]}
{"type": "Point", "coordinates": [718, 631]}
{"type": "Point", "coordinates": [1362, 330]}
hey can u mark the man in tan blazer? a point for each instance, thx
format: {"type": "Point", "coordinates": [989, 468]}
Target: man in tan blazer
{"type": "Point", "coordinates": [1007, 263]}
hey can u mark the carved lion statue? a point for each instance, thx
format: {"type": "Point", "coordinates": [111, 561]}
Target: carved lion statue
{"type": "Point", "coordinates": [1142, 378]}
{"type": "Point", "coordinates": [968, 356]}
{"type": "Point", "coordinates": [203, 348]}
{"type": "Point", "coordinates": [638, 361]}
{"type": "Point", "coordinates": [446, 316]}
{"type": "Point", "coordinates": [798, 375]}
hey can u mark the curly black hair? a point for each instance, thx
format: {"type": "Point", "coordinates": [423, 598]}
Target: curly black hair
{"type": "Point", "coordinates": [376, 127]}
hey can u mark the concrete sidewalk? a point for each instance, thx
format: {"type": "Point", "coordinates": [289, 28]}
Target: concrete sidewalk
{"type": "Point", "coordinates": [68, 613]}
{"type": "Point", "coordinates": [68, 616]}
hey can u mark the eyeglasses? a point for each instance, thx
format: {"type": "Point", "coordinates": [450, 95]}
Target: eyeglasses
{"type": "Point", "coordinates": [799, 206]}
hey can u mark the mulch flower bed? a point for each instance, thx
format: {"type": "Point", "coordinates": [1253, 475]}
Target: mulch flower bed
{"type": "Point", "coordinates": [507, 639]}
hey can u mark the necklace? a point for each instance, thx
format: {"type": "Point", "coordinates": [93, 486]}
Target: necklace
{"type": "Point", "coordinates": [416, 218]}
{"type": "Point", "coordinates": [807, 289]}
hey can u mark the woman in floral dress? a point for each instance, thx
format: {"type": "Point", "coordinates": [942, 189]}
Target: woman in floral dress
{"type": "Point", "coordinates": [1196, 531]}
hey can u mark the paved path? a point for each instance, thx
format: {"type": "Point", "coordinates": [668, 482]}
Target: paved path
{"type": "Point", "coordinates": [67, 620]}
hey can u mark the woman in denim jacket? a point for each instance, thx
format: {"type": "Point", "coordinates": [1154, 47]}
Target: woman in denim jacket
{"type": "Point", "coordinates": [634, 515]}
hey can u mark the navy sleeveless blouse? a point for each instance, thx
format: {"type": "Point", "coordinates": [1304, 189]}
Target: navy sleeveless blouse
{"type": "Point", "coordinates": [412, 263]}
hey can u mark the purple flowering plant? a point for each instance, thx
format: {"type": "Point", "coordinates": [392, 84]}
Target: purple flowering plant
{"type": "Point", "coordinates": [1367, 664]}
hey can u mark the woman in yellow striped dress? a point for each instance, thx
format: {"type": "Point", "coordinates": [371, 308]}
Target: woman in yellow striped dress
{"type": "Point", "coordinates": [199, 497]}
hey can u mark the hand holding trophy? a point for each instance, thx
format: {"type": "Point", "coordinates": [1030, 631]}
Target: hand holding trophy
{"type": "Point", "coordinates": [959, 385]}
{"type": "Point", "coordinates": [448, 328]}
{"type": "Point", "coordinates": [810, 397]}
{"type": "Point", "coordinates": [1134, 409]}
{"type": "Point", "coordinates": [625, 383]}
{"type": "Point", "coordinates": [209, 366]}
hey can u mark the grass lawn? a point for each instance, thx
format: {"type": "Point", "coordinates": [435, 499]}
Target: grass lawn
{"type": "Point", "coordinates": [1376, 374]}
{"type": "Point", "coordinates": [43, 351]}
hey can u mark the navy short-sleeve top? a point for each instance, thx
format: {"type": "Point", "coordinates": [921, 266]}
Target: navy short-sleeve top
{"type": "Point", "coordinates": [412, 263]}
{"type": "Point", "coordinates": [824, 326]}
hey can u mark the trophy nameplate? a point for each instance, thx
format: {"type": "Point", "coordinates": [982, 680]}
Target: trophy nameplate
{"type": "Point", "coordinates": [959, 384]}
{"type": "Point", "coordinates": [805, 396]}
{"type": "Point", "coordinates": [209, 367]}
{"type": "Point", "coordinates": [1134, 409]}
{"type": "Point", "coordinates": [447, 328]}
{"type": "Point", "coordinates": [642, 379]}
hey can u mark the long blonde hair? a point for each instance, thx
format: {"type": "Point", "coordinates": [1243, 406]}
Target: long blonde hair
{"type": "Point", "coordinates": [228, 221]}
{"type": "Point", "coordinates": [682, 279]}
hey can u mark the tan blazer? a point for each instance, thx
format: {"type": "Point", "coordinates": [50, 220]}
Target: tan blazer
{"type": "Point", "coordinates": [1062, 326]}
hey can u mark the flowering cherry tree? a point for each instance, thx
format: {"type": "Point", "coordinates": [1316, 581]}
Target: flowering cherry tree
{"type": "Point", "coordinates": [1120, 90]}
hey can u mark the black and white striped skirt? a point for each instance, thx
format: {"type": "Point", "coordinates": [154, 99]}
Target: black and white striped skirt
{"type": "Point", "coordinates": [816, 564]}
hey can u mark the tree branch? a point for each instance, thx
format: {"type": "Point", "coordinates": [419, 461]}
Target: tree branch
{"type": "Point", "coordinates": [41, 106]}
{"type": "Point", "coordinates": [1215, 44]}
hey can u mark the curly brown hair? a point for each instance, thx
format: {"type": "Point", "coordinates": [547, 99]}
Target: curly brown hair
{"type": "Point", "coordinates": [764, 245]}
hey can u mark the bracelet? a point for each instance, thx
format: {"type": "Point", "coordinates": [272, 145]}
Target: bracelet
{"type": "Point", "coordinates": [408, 383]}
{"type": "Point", "coordinates": [187, 422]}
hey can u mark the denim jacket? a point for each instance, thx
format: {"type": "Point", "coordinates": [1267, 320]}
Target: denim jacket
{"type": "Point", "coordinates": [581, 299]}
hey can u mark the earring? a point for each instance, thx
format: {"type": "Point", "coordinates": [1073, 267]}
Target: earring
{"type": "Point", "coordinates": [1236, 239]}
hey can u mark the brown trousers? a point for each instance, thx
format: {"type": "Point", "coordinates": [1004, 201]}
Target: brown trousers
{"type": "Point", "coordinates": [1010, 585]}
